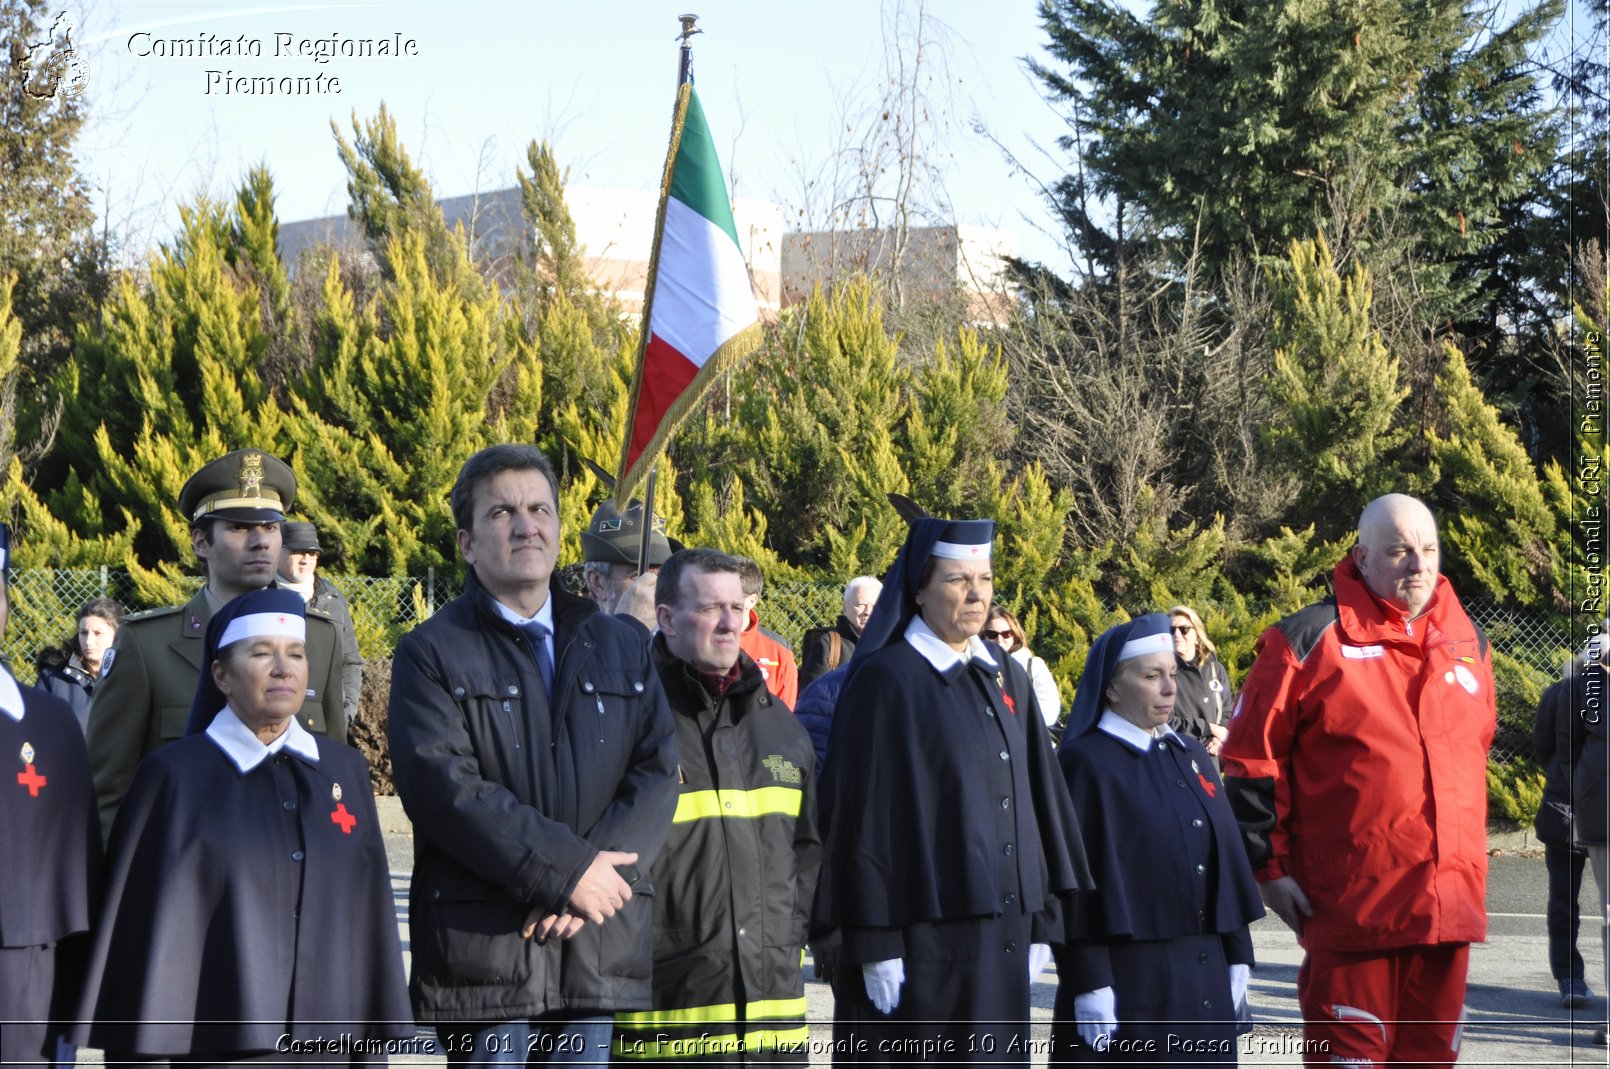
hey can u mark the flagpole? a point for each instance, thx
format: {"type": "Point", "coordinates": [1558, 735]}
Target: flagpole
{"type": "Point", "coordinates": [684, 75]}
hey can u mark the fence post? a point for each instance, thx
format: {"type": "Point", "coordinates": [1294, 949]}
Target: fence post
{"type": "Point", "coordinates": [430, 588]}
{"type": "Point", "coordinates": [103, 581]}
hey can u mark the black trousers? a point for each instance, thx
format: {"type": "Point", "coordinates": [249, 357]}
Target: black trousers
{"type": "Point", "coordinates": [1564, 914]}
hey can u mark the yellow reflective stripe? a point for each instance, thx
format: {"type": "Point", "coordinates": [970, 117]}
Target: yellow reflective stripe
{"type": "Point", "coordinates": [726, 1011]}
{"type": "Point", "coordinates": [763, 801]}
{"type": "Point", "coordinates": [776, 1007]}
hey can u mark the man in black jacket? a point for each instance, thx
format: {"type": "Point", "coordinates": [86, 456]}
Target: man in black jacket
{"type": "Point", "coordinates": [535, 754]}
{"type": "Point", "coordinates": [736, 879]}
{"type": "Point", "coordinates": [826, 648]}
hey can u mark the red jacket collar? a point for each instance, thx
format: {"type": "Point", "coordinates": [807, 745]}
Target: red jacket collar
{"type": "Point", "coordinates": [1366, 619]}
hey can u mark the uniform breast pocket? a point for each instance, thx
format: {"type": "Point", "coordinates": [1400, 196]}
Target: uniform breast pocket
{"type": "Point", "coordinates": [494, 713]}
{"type": "Point", "coordinates": [609, 697]}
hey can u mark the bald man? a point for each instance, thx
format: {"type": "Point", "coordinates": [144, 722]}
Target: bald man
{"type": "Point", "coordinates": [1356, 765]}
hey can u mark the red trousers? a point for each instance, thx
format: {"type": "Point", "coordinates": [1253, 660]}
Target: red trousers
{"type": "Point", "coordinates": [1385, 1007]}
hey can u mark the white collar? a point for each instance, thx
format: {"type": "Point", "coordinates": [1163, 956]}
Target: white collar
{"type": "Point", "coordinates": [544, 615]}
{"type": "Point", "coordinates": [941, 656]}
{"type": "Point", "coordinates": [304, 589]}
{"type": "Point", "coordinates": [10, 697]}
{"type": "Point", "coordinates": [246, 751]}
{"type": "Point", "coordinates": [1132, 734]}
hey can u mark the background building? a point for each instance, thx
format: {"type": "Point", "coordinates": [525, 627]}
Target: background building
{"type": "Point", "coordinates": [615, 227]}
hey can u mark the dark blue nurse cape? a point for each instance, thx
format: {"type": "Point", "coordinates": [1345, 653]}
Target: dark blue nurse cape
{"type": "Point", "coordinates": [1174, 895]}
{"type": "Point", "coordinates": [50, 862]}
{"type": "Point", "coordinates": [246, 912]}
{"type": "Point", "coordinates": [949, 841]}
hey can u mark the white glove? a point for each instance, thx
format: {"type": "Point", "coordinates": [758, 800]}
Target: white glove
{"type": "Point", "coordinates": [1239, 975]}
{"type": "Point", "coordinates": [883, 980]}
{"type": "Point", "coordinates": [1039, 954]}
{"type": "Point", "coordinates": [1096, 1013]}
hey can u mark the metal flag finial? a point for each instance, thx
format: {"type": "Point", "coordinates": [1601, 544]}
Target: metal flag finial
{"type": "Point", "coordinates": [685, 73]}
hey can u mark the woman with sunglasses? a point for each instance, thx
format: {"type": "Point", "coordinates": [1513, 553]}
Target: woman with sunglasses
{"type": "Point", "coordinates": [1202, 709]}
{"type": "Point", "coordinates": [1003, 629]}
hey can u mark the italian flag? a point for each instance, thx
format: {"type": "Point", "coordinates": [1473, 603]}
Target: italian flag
{"type": "Point", "coordinates": [699, 310]}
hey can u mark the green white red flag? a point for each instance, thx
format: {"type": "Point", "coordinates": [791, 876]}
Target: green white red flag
{"type": "Point", "coordinates": [699, 313]}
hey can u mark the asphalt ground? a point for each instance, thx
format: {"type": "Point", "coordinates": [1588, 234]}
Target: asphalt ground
{"type": "Point", "coordinates": [1515, 1018]}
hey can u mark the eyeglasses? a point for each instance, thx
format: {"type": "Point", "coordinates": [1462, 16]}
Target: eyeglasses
{"type": "Point", "coordinates": [998, 635]}
{"type": "Point", "coordinates": [1182, 629]}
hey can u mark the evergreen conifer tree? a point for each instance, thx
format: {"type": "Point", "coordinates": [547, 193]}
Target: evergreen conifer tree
{"type": "Point", "coordinates": [1334, 387]}
{"type": "Point", "coordinates": [47, 224]}
{"type": "Point", "coordinates": [170, 381]}
{"type": "Point", "coordinates": [1496, 525]}
{"type": "Point", "coordinates": [398, 398]}
{"type": "Point", "coordinates": [816, 413]}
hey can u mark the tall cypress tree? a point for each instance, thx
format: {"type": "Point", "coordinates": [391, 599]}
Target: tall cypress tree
{"type": "Point", "coordinates": [397, 400]}
{"type": "Point", "coordinates": [1249, 123]}
{"type": "Point", "coordinates": [47, 224]}
{"type": "Point", "coordinates": [170, 381]}
{"type": "Point", "coordinates": [1334, 430]}
{"type": "Point", "coordinates": [1497, 525]}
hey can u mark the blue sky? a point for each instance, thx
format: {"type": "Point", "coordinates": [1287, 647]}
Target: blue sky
{"type": "Point", "coordinates": [782, 85]}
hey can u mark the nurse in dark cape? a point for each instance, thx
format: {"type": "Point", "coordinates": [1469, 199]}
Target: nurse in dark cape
{"type": "Point", "coordinates": [50, 875]}
{"type": "Point", "coordinates": [248, 912]}
{"type": "Point", "coordinates": [950, 846]}
{"type": "Point", "coordinates": [1159, 973]}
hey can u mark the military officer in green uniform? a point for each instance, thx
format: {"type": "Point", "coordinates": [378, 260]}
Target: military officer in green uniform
{"type": "Point", "coordinates": [235, 506]}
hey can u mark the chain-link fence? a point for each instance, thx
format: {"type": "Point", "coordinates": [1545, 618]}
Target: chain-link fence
{"type": "Point", "coordinates": [1529, 649]}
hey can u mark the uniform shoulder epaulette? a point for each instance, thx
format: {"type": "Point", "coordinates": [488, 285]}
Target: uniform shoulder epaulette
{"type": "Point", "coordinates": [1303, 629]}
{"type": "Point", "coordinates": [152, 614]}
{"type": "Point", "coordinates": [318, 613]}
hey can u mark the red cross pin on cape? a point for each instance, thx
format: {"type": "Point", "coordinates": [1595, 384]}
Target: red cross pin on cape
{"type": "Point", "coordinates": [339, 816]}
{"type": "Point", "coordinates": [29, 777]}
{"type": "Point", "coordinates": [1011, 706]}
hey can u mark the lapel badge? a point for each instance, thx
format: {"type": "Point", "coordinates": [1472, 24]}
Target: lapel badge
{"type": "Point", "coordinates": [335, 792]}
{"type": "Point", "coordinates": [27, 753]}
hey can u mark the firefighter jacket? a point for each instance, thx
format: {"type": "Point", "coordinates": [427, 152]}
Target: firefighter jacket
{"type": "Point", "coordinates": [734, 884]}
{"type": "Point", "coordinates": [1357, 765]}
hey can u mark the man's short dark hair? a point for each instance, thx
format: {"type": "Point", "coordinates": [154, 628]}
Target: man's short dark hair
{"type": "Point", "coordinates": [489, 463]}
{"type": "Point", "coordinates": [749, 575]}
{"type": "Point", "coordinates": [668, 590]}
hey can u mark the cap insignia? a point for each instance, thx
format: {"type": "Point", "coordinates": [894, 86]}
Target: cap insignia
{"type": "Point", "coordinates": [250, 476]}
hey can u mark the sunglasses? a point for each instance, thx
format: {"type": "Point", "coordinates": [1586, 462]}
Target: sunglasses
{"type": "Point", "coordinates": [997, 635]}
{"type": "Point", "coordinates": [1182, 629]}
